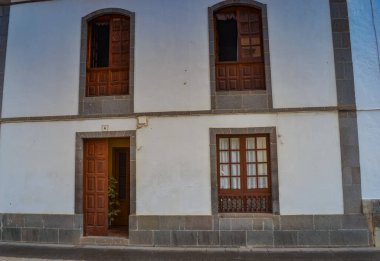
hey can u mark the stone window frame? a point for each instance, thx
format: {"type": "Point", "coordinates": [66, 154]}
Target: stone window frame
{"type": "Point", "coordinates": [273, 159]}
{"type": "Point", "coordinates": [240, 101]}
{"type": "Point", "coordinates": [106, 105]}
{"type": "Point", "coordinates": [79, 148]}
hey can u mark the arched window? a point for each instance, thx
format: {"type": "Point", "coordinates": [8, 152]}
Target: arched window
{"type": "Point", "coordinates": [239, 52]}
{"type": "Point", "coordinates": [108, 55]}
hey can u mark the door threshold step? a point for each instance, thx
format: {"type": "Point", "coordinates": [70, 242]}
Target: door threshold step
{"type": "Point", "coordinates": [104, 241]}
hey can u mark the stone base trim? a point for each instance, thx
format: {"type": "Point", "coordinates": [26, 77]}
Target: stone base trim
{"type": "Point", "coordinates": [104, 241]}
{"type": "Point", "coordinates": [371, 208]}
{"type": "Point", "coordinates": [251, 230]}
{"type": "Point", "coordinates": [41, 228]}
{"type": "Point", "coordinates": [232, 230]}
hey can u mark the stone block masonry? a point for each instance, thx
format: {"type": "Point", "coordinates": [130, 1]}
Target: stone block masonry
{"type": "Point", "coordinates": [251, 230]}
{"type": "Point", "coordinates": [345, 86]}
{"type": "Point", "coordinates": [227, 230]}
{"type": "Point", "coordinates": [41, 228]}
{"type": "Point", "coordinates": [371, 209]}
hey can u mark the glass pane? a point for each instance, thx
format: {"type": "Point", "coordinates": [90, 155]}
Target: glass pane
{"type": "Point", "coordinates": [224, 170]}
{"type": "Point", "coordinates": [261, 156]}
{"type": "Point", "coordinates": [235, 170]}
{"type": "Point", "coordinates": [235, 183]}
{"type": "Point", "coordinates": [263, 182]}
{"type": "Point", "coordinates": [235, 156]}
{"type": "Point", "coordinates": [262, 169]}
{"type": "Point", "coordinates": [251, 168]}
{"type": "Point", "coordinates": [224, 183]}
{"type": "Point", "coordinates": [235, 144]}
{"type": "Point", "coordinates": [251, 156]}
{"type": "Point", "coordinates": [251, 183]}
{"type": "Point", "coordinates": [224, 156]}
{"type": "Point", "coordinates": [223, 144]}
{"type": "Point", "coordinates": [261, 143]}
{"type": "Point", "coordinates": [250, 143]}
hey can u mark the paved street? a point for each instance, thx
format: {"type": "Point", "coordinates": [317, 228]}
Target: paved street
{"type": "Point", "coordinates": [18, 252]}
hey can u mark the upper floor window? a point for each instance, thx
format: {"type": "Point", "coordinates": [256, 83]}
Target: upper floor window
{"type": "Point", "coordinates": [239, 49]}
{"type": "Point", "coordinates": [108, 56]}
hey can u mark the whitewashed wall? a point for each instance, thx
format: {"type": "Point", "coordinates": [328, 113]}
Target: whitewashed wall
{"type": "Point", "coordinates": [365, 51]}
{"type": "Point", "coordinates": [365, 26]}
{"type": "Point", "coordinates": [172, 48]}
{"type": "Point", "coordinates": [37, 163]}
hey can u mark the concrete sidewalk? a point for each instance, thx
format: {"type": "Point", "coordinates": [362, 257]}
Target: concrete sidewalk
{"type": "Point", "coordinates": [13, 252]}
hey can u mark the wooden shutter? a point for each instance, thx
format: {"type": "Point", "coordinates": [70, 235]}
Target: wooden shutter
{"type": "Point", "coordinates": [114, 79]}
{"type": "Point", "coordinates": [247, 72]}
{"type": "Point", "coordinates": [96, 187]}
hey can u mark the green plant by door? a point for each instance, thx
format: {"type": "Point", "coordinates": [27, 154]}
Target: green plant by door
{"type": "Point", "coordinates": [113, 202]}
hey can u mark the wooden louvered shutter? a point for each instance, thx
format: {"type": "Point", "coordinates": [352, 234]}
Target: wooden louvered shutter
{"type": "Point", "coordinates": [250, 49]}
{"type": "Point", "coordinates": [247, 72]}
{"type": "Point", "coordinates": [119, 55]}
{"type": "Point", "coordinates": [112, 76]}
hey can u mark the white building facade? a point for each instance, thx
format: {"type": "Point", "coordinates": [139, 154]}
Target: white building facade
{"type": "Point", "coordinates": [365, 35]}
{"type": "Point", "coordinates": [257, 150]}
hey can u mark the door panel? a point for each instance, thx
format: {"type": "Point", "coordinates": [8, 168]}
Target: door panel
{"type": "Point", "coordinates": [95, 187]}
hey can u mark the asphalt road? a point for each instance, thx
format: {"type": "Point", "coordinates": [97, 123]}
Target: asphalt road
{"type": "Point", "coordinates": [18, 252]}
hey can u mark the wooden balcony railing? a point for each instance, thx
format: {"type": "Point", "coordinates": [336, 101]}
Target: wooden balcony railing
{"type": "Point", "coordinates": [245, 204]}
{"type": "Point", "coordinates": [232, 76]}
{"type": "Point", "coordinates": [107, 81]}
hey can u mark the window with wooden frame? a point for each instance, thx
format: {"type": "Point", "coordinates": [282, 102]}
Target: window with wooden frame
{"type": "Point", "coordinates": [108, 56]}
{"type": "Point", "coordinates": [244, 179]}
{"type": "Point", "coordinates": [239, 52]}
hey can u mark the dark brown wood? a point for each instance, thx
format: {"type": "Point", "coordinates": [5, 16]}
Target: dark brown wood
{"type": "Point", "coordinates": [114, 79]}
{"type": "Point", "coordinates": [255, 197]}
{"type": "Point", "coordinates": [95, 196]}
{"type": "Point", "coordinates": [247, 72]}
{"type": "Point", "coordinates": [122, 219]}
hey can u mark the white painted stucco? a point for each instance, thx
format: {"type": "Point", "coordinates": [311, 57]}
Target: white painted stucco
{"type": "Point", "coordinates": [302, 58]}
{"type": "Point", "coordinates": [365, 39]}
{"type": "Point", "coordinates": [37, 163]}
{"type": "Point", "coordinates": [171, 55]}
{"type": "Point", "coordinates": [369, 141]}
{"type": "Point", "coordinates": [310, 164]}
{"type": "Point", "coordinates": [365, 51]}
